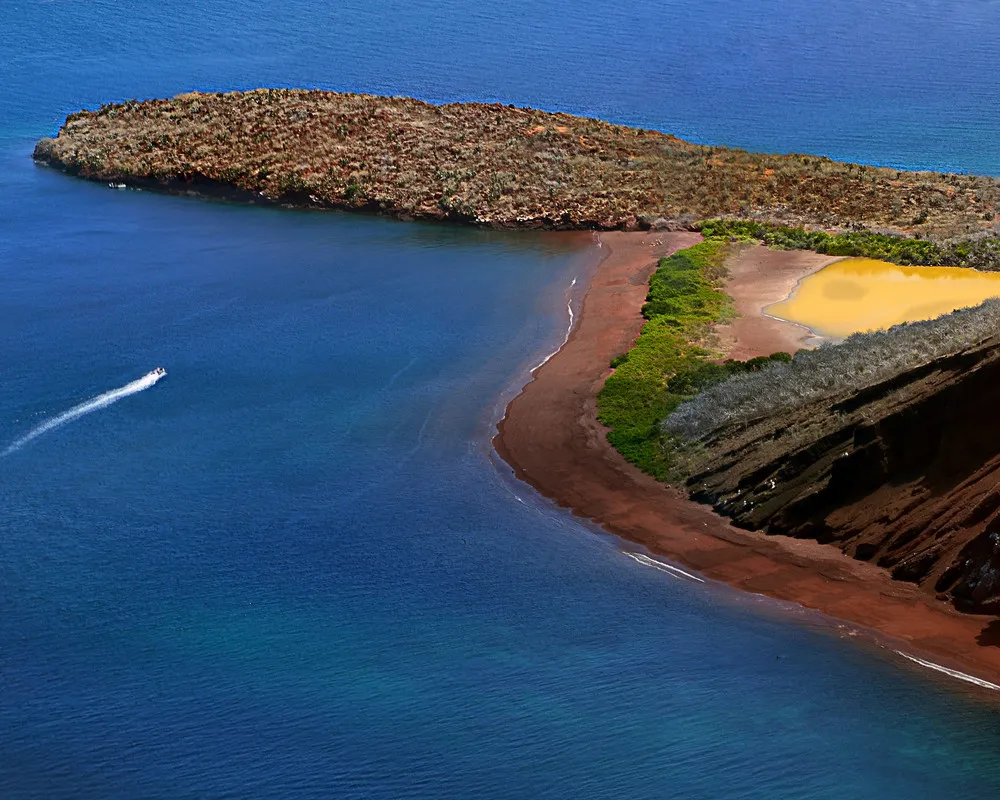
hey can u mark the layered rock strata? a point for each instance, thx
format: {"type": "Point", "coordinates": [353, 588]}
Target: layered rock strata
{"type": "Point", "coordinates": [904, 473]}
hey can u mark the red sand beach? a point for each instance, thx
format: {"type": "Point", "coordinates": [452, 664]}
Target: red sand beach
{"type": "Point", "coordinates": [553, 441]}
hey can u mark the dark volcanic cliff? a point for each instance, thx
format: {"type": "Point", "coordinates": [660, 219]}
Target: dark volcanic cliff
{"type": "Point", "coordinates": [488, 164]}
{"type": "Point", "coordinates": [904, 472]}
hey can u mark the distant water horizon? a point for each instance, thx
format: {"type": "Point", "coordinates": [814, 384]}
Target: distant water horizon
{"type": "Point", "coordinates": [293, 567]}
{"type": "Point", "coordinates": [891, 83]}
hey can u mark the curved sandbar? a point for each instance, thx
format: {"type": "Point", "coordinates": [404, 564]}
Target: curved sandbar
{"type": "Point", "coordinates": [551, 438]}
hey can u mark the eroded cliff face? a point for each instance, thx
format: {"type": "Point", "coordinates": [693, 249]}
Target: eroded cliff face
{"type": "Point", "coordinates": [905, 473]}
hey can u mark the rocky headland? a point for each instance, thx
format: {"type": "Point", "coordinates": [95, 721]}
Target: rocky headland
{"type": "Point", "coordinates": [490, 164]}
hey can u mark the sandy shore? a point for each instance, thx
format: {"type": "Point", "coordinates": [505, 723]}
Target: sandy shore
{"type": "Point", "coordinates": [551, 438]}
{"type": "Point", "coordinates": [759, 277]}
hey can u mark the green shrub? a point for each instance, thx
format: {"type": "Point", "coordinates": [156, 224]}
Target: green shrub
{"type": "Point", "coordinates": [865, 244]}
{"type": "Point", "coordinates": [670, 361]}
{"type": "Point", "coordinates": [699, 377]}
{"type": "Point", "coordinates": [352, 192]}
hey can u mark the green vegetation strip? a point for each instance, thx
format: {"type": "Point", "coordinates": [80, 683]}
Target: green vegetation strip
{"type": "Point", "coordinates": [672, 359]}
{"type": "Point", "coordinates": [979, 253]}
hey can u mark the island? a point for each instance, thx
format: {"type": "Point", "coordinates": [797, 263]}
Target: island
{"type": "Point", "coordinates": [857, 478]}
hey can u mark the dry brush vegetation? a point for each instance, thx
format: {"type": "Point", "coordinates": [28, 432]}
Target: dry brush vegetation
{"type": "Point", "coordinates": [861, 361]}
{"type": "Point", "coordinates": [491, 165]}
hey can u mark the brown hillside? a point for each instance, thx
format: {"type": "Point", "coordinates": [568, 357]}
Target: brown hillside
{"type": "Point", "coordinates": [488, 164]}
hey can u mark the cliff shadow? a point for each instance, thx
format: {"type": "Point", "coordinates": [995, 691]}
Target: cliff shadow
{"type": "Point", "coordinates": [989, 636]}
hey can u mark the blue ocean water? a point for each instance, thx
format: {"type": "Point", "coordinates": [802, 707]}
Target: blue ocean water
{"type": "Point", "coordinates": [292, 568]}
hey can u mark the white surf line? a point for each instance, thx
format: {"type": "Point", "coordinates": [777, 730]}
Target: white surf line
{"type": "Point", "coordinates": [94, 404]}
{"type": "Point", "coordinates": [652, 562]}
{"type": "Point", "coordinates": [954, 673]}
{"type": "Point", "coordinates": [569, 330]}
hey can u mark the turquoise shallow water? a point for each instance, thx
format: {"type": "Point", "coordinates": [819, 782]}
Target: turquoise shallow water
{"type": "Point", "coordinates": [291, 568]}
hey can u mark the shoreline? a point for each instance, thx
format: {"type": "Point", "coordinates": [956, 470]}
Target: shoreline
{"type": "Point", "coordinates": [550, 437]}
{"type": "Point", "coordinates": [757, 276]}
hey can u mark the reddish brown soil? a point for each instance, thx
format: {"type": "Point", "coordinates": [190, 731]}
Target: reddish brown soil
{"type": "Point", "coordinates": [759, 277]}
{"type": "Point", "coordinates": [492, 165]}
{"type": "Point", "coordinates": [551, 437]}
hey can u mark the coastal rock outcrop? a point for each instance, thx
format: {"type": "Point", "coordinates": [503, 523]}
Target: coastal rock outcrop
{"type": "Point", "coordinates": [904, 473]}
{"type": "Point", "coordinates": [490, 164]}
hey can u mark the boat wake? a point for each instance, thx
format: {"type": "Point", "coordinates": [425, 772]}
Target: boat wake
{"type": "Point", "coordinates": [94, 404]}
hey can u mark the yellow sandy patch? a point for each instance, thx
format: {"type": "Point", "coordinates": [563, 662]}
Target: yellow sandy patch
{"type": "Point", "coordinates": [859, 294]}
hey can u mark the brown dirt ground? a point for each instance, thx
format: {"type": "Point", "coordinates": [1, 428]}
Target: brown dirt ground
{"type": "Point", "coordinates": [759, 277]}
{"type": "Point", "coordinates": [551, 438]}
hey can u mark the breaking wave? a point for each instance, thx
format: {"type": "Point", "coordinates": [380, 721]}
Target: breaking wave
{"type": "Point", "coordinates": [569, 330]}
{"type": "Point", "coordinates": [954, 673]}
{"type": "Point", "coordinates": [677, 572]}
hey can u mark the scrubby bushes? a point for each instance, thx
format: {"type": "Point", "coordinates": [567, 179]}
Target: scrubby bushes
{"type": "Point", "coordinates": [862, 360]}
{"type": "Point", "coordinates": [671, 359]}
{"type": "Point", "coordinates": [979, 252]}
{"type": "Point", "coordinates": [494, 165]}
{"type": "Point", "coordinates": [697, 378]}
{"type": "Point", "coordinates": [683, 300]}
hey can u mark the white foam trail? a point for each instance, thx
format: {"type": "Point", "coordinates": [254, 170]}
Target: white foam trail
{"type": "Point", "coordinates": [954, 673]}
{"type": "Point", "coordinates": [94, 404]}
{"type": "Point", "coordinates": [569, 330]}
{"type": "Point", "coordinates": [652, 562]}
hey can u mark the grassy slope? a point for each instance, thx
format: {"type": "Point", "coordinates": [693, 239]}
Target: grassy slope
{"type": "Point", "coordinates": [492, 165]}
{"type": "Point", "coordinates": [684, 299]}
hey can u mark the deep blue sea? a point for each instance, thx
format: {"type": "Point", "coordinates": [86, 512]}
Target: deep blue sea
{"type": "Point", "coordinates": [292, 568]}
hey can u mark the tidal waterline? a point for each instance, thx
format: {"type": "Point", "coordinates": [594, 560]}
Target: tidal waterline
{"type": "Point", "coordinates": [862, 294]}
